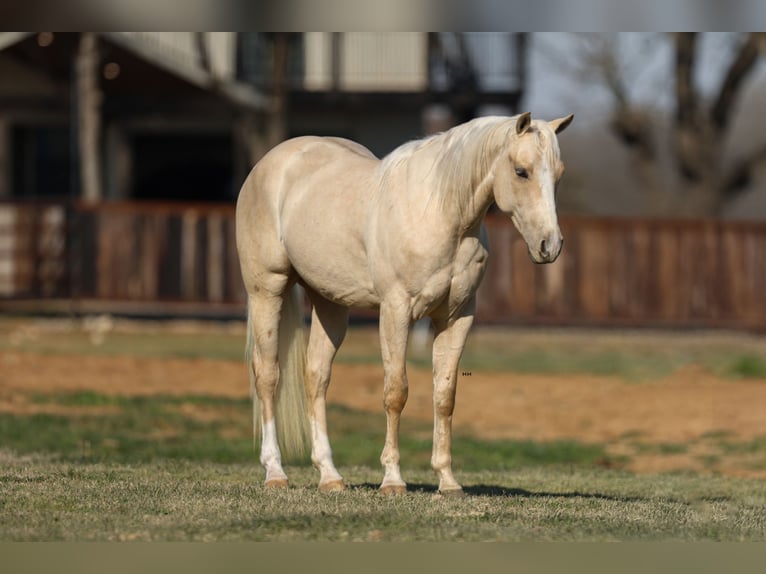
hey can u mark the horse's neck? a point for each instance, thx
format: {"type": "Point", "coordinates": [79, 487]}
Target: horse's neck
{"type": "Point", "coordinates": [463, 183]}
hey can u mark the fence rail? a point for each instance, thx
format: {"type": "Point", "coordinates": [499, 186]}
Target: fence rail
{"type": "Point", "coordinates": [637, 272]}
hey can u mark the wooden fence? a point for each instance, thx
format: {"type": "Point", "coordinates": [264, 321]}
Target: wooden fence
{"type": "Point", "coordinates": [619, 272]}
{"type": "Point", "coordinates": [631, 272]}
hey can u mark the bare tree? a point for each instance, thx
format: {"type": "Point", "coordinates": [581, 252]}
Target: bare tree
{"type": "Point", "coordinates": [700, 122]}
{"type": "Point", "coordinates": [88, 104]}
{"type": "Point", "coordinates": [699, 130]}
{"type": "Point", "coordinates": [262, 131]}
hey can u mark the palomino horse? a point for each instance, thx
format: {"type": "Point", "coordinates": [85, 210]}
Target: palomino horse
{"type": "Point", "coordinates": [403, 234]}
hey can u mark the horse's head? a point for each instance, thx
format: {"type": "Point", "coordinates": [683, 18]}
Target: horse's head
{"type": "Point", "coordinates": [526, 177]}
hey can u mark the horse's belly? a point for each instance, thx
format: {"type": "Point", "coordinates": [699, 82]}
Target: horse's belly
{"type": "Point", "coordinates": [342, 289]}
{"type": "Point", "coordinates": [336, 272]}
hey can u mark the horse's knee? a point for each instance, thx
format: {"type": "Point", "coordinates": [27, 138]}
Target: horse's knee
{"type": "Point", "coordinates": [395, 393]}
{"type": "Point", "coordinates": [444, 400]}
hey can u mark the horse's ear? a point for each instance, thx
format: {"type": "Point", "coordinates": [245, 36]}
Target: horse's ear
{"type": "Point", "coordinates": [561, 124]}
{"type": "Point", "coordinates": [523, 122]}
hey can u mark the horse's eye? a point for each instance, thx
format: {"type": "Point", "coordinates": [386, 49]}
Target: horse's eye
{"type": "Point", "coordinates": [521, 172]}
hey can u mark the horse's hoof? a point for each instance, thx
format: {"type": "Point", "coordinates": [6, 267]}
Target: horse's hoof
{"type": "Point", "coordinates": [277, 483]}
{"type": "Point", "coordinates": [453, 493]}
{"type": "Point", "coordinates": [332, 486]}
{"type": "Point", "coordinates": [393, 489]}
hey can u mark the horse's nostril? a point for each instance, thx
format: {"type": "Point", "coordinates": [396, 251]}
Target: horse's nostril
{"type": "Point", "coordinates": [543, 248]}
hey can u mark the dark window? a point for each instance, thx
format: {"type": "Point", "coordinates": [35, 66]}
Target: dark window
{"type": "Point", "coordinates": [255, 59]}
{"type": "Point", "coordinates": [188, 167]}
{"type": "Point", "coordinates": [41, 161]}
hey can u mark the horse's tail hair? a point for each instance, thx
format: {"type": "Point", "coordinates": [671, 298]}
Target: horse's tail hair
{"type": "Point", "coordinates": [291, 411]}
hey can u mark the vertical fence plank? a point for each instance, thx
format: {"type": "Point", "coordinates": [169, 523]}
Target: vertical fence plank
{"type": "Point", "coordinates": [667, 281]}
{"type": "Point", "coordinates": [550, 300]}
{"type": "Point", "coordinates": [150, 252]}
{"type": "Point", "coordinates": [215, 258]}
{"type": "Point", "coordinates": [235, 289]}
{"type": "Point", "coordinates": [640, 269]}
{"type": "Point", "coordinates": [620, 267]}
{"type": "Point", "coordinates": [754, 246]}
{"type": "Point", "coordinates": [502, 273]}
{"type": "Point", "coordinates": [521, 298]}
{"type": "Point", "coordinates": [594, 284]}
{"type": "Point", "coordinates": [189, 255]}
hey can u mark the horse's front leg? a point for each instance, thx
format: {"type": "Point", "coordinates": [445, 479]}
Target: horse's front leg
{"type": "Point", "coordinates": [394, 332]}
{"type": "Point", "coordinates": [449, 339]}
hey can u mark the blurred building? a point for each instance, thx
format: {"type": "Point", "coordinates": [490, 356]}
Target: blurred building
{"type": "Point", "coordinates": [120, 115]}
{"type": "Point", "coordinates": [382, 89]}
{"type": "Point", "coordinates": [183, 116]}
{"type": "Point", "coordinates": [121, 155]}
{"type": "Point", "coordinates": [111, 142]}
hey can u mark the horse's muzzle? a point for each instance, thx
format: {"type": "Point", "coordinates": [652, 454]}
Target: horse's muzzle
{"type": "Point", "coordinates": [548, 250]}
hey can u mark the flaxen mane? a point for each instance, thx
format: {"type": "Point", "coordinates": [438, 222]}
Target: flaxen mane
{"type": "Point", "coordinates": [462, 156]}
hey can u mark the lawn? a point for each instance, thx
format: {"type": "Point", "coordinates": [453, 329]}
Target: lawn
{"type": "Point", "coordinates": [44, 499]}
{"type": "Point", "coordinates": [92, 464]}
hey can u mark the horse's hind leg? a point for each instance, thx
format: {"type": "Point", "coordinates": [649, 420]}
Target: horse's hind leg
{"type": "Point", "coordinates": [265, 312]}
{"type": "Point", "coordinates": [328, 328]}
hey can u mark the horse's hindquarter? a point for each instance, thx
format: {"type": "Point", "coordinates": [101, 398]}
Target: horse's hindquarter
{"type": "Point", "coordinates": [324, 208]}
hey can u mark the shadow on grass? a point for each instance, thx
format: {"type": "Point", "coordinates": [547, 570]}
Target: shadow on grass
{"type": "Point", "coordinates": [500, 491]}
{"type": "Point", "coordinates": [503, 492]}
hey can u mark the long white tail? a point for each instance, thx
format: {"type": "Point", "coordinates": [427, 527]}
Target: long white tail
{"type": "Point", "coordinates": [291, 413]}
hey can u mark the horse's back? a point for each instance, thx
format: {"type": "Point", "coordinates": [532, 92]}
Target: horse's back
{"type": "Point", "coordinates": [303, 162]}
{"type": "Point", "coordinates": [306, 152]}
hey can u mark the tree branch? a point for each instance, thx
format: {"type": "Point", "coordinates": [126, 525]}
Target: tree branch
{"type": "Point", "coordinates": [602, 54]}
{"type": "Point", "coordinates": [691, 136]}
{"type": "Point", "coordinates": [686, 96]}
{"type": "Point", "coordinates": [631, 124]}
{"type": "Point", "coordinates": [731, 87]}
{"type": "Point", "coordinates": [740, 175]}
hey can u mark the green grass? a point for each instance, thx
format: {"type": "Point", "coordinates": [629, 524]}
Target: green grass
{"type": "Point", "coordinates": [220, 346]}
{"type": "Point", "coordinates": [142, 429]}
{"type": "Point", "coordinates": [135, 468]}
{"type": "Point", "coordinates": [100, 467]}
{"type": "Point", "coordinates": [756, 445]}
{"type": "Point", "coordinates": [176, 500]}
{"type": "Point", "coordinates": [748, 366]}
{"type": "Point", "coordinates": [635, 356]}
{"type": "Point", "coordinates": [661, 448]}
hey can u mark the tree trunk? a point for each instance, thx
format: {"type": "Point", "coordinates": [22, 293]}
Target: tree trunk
{"type": "Point", "coordinates": [277, 130]}
{"type": "Point", "coordinates": [89, 117]}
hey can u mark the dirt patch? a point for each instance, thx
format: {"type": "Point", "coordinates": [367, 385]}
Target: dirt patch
{"type": "Point", "coordinates": [685, 406]}
{"type": "Point", "coordinates": [691, 407]}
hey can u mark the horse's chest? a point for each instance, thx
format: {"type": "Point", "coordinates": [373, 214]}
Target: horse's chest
{"type": "Point", "coordinates": [456, 281]}
{"type": "Point", "coordinates": [468, 271]}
